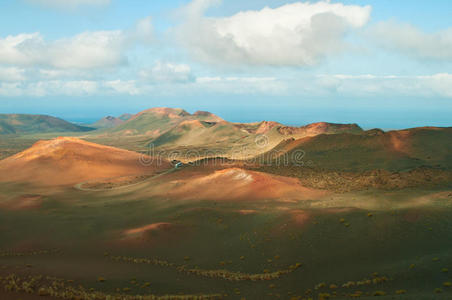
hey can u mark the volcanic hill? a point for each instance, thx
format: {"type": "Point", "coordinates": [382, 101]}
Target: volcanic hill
{"type": "Point", "coordinates": [71, 160]}
{"type": "Point", "coordinates": [26, 124]}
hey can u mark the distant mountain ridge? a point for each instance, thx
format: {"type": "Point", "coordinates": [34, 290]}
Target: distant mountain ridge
{"type": "Point", "coordinates": [175, 127]}
{"type": "Point", "coordinates": [155, 121]}
{"type": "Point", "coordinates": [28, 124]}
{"type": "Point", "coordinates": [110, 121]}
{"type": "Point", "coordinates": [177, 134]}
{"type": "Point", "coordinates": [107, 122]}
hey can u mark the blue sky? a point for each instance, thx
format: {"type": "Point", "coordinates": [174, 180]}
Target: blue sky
{"type": "Point", "coordinates": [378, 63]}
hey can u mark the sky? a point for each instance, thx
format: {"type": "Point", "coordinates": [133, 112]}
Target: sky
{"type": "Point", "coordinates": [378, 63]}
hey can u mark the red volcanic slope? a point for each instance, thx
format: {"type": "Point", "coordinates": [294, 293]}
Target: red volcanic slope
{"type": "Point", "coordinates": [234, 184]}
{"type": "Point", "coordinates": [70, 160]}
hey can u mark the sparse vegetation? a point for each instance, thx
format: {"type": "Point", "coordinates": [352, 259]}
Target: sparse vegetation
{"type": "Point", "coordinates": [241, 249]}
{"type": "Point", "coordinates": [11, 253]}
{"type": "Point", "coordinates": [379, 293]}
{"type": "Point", "coordinates": [221, 274]}
{"type": "Point", "coordinates": [57, 287]}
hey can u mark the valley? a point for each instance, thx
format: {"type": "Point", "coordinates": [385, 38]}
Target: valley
{"type": "Point", "coordinates": [322, 211]}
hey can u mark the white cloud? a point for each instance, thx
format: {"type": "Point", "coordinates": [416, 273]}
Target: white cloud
{"type": "Point", "coordinates": [53, 74]}
{"type": "Point", "coordinates": [242, 85]}
{"type": "Point", "coordinates": [10, 89]}
{"type": "Point", "coordinates": [202, 85]}
{"type": "Point", "coordinates": [69, 4]}
{"type": "Point", "coordinates": [16, 50]}
{"type": "Point", "coordinates": [12, 74]}
{"type": "Point", "coordinates": [49, 88]}
{"type": "Point", "coordinates": [122, 87]}
{"type": "Point", "coordinates": [168, 72]}
{"type": "Point", "coordinates": [251, 79]}
{"type": "Point", "coordinates": [353, 86]}
{"type": "Point", "coordinates": [436, 85]}
{"type": "Point", "coordinates": [411, 41]}
{"type": "Point", "coordinates": [143, 31]}
{"type": "Point", "coordinates": [439, 83]}
{"type": "Point", "coordinates": [207, 79]}
{"type": "Point", "coordinates": [83, 51]}
{"type": "Point", "coordinates": [235, 79]}
{"type": "Point", "coordinates": [61, 88]}
{"type": "Point", "coordinates": [87, 50]}
{"type": "Point", "coordinates": [293, 34]}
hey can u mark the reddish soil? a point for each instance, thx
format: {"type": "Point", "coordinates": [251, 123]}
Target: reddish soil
{"type": "Point", "coordinates": [400, 140]}
{"type": "Point", "coordinates": [234, 184]}
{"type": "Point", "coordinates": [65, 161]}
{"type": "Point", "coordinates": [300, 217]}
{"type": "Point", "coordinates": [146, 228]}
{"type": "Point", "coordinates": [23, 202]}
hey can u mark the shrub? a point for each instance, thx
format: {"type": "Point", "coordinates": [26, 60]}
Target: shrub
{"type": "Point", "coordinates": [356, 294]}
{"type": "Point", "coordinates": [349, 284]}
{"type": "Point", "coordinates": [379, 293]}
{"type": "Point", "coordinates": [320, 286]}
{"type": "Point", "coordinates": [324, 296]}
{"type": "Point", "coordinates": [43, 292]}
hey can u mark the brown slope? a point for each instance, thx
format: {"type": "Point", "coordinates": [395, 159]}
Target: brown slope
{"type": "Point", "coordinates": [393, 150]}
{"type": "Point", "coordinates": [198, 133]}
{"type": "Point", "coordinates": [233, 184]}
{"type": "Point", "coordinates": [237, 140]}
{"type": "Point", "coordinates": [156, 121]}
{"type": "Point", "coordinates": [418, 157]}
{"type": "Point", "coordinates": [65, 160]}
{"type": "Point", "coordinates": [266, 127]}
{"type": "Point", "coordinates": [319, 128]}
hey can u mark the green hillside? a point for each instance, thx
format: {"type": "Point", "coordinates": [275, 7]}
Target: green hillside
{"type": "Point", "coordinates": [26, 124]}
{"type": "Point", "coordinates": [151, 121]}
